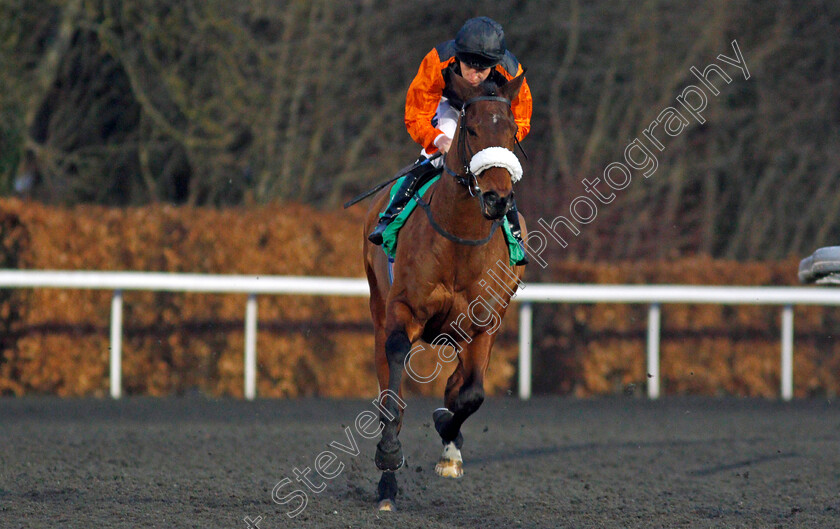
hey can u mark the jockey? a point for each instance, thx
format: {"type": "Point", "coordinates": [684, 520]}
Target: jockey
{"type": "Point", "coordinates": [479, 55]}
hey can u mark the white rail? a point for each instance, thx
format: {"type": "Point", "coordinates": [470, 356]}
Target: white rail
{"type": "Point", "coordinates": [652, 295]}
{"type": "Point", "coordinates": [655, 295]}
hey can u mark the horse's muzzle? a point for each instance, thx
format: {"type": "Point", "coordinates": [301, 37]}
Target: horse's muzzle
{"type": "Point", "coordinates": [493, 206]}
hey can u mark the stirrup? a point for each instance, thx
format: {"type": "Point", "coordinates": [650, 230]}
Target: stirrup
{"type": "Point", "coordinates": [376, 236]}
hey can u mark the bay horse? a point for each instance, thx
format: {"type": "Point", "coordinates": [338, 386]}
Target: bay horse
{"type": "Point", "coordinates": [440, 273]}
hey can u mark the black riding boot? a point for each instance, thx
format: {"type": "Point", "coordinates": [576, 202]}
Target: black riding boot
{"type": "Point", "coordinates": [414, 180]}
{"type": "Point", "coordinates": [516, 230]}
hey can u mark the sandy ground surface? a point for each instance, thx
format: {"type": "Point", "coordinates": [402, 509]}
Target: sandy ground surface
{"type": "Point", "coordinates": [550, 462]}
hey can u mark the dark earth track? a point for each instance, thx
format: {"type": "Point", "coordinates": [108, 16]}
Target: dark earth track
{"type": "Point", "coordinates": [550, 462]}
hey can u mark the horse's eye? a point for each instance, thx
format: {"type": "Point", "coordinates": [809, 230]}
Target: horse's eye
{"type": "Point", "coordinates": [471, 131]}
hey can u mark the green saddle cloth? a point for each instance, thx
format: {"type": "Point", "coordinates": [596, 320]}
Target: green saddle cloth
{"type": "Point", "coordinates": [389, 245]}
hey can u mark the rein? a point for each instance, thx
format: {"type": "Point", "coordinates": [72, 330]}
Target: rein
{"type": "Point", "coordinates": [454, 238]}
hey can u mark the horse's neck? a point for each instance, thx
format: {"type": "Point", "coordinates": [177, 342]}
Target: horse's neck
{"type": "Point", "coordinates": [457, 211]}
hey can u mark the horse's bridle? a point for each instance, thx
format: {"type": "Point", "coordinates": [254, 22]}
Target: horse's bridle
{"type": "Point", "coordinates": [468, 179]}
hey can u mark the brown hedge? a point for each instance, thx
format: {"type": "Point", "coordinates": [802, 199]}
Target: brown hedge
{"type": "Point", "coordinates": [56, 341]}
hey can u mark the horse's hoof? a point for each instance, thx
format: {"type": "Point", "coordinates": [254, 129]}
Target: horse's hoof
{"type": "Point", "coordinates": [446, 468]}
{"type": "Point", "coordinates": [386, 505]}
{"type": "Point", "coordinates": [450, 464]}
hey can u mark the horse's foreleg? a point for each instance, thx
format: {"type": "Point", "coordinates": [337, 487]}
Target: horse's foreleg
{"type": "Point", "coordinates": [448, 422]}
{"type": "Point", "coordinates": [465, 388]}
{"type": "Point", "coordinates": [469, 399]}
{"type": "Point", "coordinates": [464, 395]}
{"type": "Point", "coordinates": [389, 455]}
{"type": "Point", "coordinates": [401, 328]}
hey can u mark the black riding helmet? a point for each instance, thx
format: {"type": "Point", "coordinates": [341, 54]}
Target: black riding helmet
{"type": "Point", "coordinates": [480, 43]}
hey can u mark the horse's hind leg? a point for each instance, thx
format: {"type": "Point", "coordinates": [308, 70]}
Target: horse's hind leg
{"type": "Point", "coordinates": [464, 395]}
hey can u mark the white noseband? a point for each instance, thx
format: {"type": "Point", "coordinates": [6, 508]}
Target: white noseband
{"type": "Point", "coordinates": [497, 157]}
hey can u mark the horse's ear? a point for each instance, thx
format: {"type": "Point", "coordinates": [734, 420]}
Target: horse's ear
{"type": "Point", "coordinates": [511, 89]}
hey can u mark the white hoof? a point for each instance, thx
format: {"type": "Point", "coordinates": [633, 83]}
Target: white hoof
{"type": "Point", "coordinates": [450, 464]}
{"type": "Point", "coordinates": [386, 505]}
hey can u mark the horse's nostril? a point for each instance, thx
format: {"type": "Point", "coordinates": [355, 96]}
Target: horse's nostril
{"type": "Point", "coordinates": [495, 206]}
